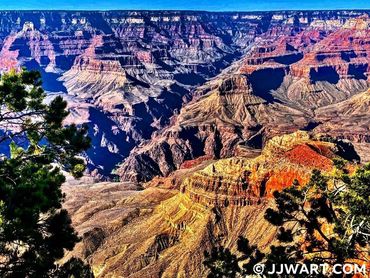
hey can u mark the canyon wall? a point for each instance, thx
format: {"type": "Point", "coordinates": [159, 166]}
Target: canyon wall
{"type": "Point", "coordinates": [127, 74]}
{"type": "Point", "coordinates": [163, 231]}
{"type": "Point", "coordinates": [291, 79]}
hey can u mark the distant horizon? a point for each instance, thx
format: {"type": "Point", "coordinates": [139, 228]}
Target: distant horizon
{"type": "Point", "coordinates": [177, 10]}
{"type": "Point", "coordinates": [185, 5]}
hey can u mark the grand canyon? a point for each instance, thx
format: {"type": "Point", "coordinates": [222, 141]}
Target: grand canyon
{"type": "Point", "coordinates": [196, 118]}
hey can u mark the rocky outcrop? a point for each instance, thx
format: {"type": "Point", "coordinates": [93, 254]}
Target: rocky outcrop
{"type": "Point", "coordinates": [228, 119]}
{"type": "Point", "coordinates": [342, 54]}
{"type": "Point", "coordinates": [214, 125]}
{"type": "Point", "coordinates": [240, 181]}
{"type": "Point", "coordinates": [151, 234]}
{"type": "Point", "coordinates": [344, 115]}
{"type": "Point", "coordinates": [163, 232]}
{"type": "Point", "coordinates": [8, 58]}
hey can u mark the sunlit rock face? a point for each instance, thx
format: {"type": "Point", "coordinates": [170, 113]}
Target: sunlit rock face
{"type": "Point", "coordinates": [163, 231]}
{"type": "Point", "coordinates": [128, 74]}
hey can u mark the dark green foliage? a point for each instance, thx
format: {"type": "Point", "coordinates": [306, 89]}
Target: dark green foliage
{"type": "Point", "coordinates": [222, 263]}
{"type": "Point", "coordinates": [74, 268]}
{"type": "Point", "coordinates": [250, 255]}
{"type": "Point", "coordinates": [34, 229]}
{"type": "Point", "coordinates": [339, 163]}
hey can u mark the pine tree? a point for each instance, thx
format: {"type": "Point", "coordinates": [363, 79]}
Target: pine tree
{"type": "Point", "coordinates": [34, 229]}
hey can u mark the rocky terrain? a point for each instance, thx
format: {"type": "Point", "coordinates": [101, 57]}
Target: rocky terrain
{"type": "Point", "coordinates": [201, 115]}
{"type": "Point", "coordinates": [127, 73]}
{"type": "Point", "coordinates": [349, 120]}
{"type": "Point", "coordinates": [163, 232]}
{"type": "Point", "coordinates": [307, 80]}
{"type": "Point", "coordinates": [124, 73]}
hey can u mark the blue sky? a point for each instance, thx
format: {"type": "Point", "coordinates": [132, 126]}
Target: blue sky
{"type": "Point", "coordinates": [210, 5]}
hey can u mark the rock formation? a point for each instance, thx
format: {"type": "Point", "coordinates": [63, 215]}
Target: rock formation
{"type": "Point", "coordinates": [131, 71]}
{"type": "Point", "coordinates": [161, 232]}
{"type": "Point", "coordinates": [349, 120]}
{"type": "Point", "coordinates": [278, 87]}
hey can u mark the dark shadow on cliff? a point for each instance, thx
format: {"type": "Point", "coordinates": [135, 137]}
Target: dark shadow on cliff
{"type": "Point", "coordinates": [289, 59]}
{"type": "Point", "coordinates": [325, 73]}
{"type": "Point", "coordinates": [160, 108]}
{"type": "Point", "coordinates": [347, 151]}
{"type": "Point", "coordinates": [266, 80]}
{"type": "Point", "coordinates": [101, 156]}
{"type": "Point", "coordinates": [50, 80]}
{"type": "Point", "coordinates": [311, 126]}
{"type": "Point", "coordinates": [358, 71]}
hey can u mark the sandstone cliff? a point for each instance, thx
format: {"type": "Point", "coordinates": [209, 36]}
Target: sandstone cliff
{"type": "Point", "coordinates": [161, 232]}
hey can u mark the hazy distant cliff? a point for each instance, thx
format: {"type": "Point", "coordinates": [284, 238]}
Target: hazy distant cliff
{"type": "Point", "coordinates": [127, 73]}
